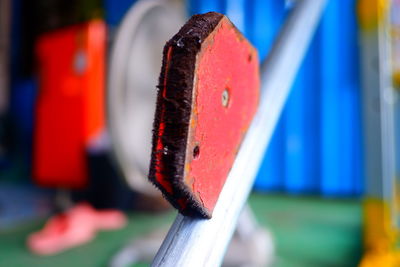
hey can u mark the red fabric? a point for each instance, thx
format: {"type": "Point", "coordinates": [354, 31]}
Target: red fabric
{"type": "Point", "coordinates": [70, 106]}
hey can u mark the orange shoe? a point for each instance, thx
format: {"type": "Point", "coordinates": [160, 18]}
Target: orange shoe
{"type": "Point", "coordinates": [77, 226]}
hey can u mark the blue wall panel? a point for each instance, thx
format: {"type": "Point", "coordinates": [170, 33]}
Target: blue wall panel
{"type": "Point", "coordinates": [263, 22]}
{"type": "Point", "coordinates": [341, 110]}
{"type": "Point", "coordinates": [330, 100]}
{"type": "Point", "coordinates": [115, 10]}
{"type": "Point", "coordinates": [302, 128]}
{"type": "Point", "coordinates": [203, 6]}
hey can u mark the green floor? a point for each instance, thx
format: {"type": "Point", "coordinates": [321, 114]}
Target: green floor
{"type": "Point", "coordinates": [308, 232]}
{"type": "Point", "coordinates": [312, 231]}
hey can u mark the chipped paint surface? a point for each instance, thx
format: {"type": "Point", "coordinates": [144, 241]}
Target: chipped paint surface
{"type": "Point", "coordinates": [226, 62]}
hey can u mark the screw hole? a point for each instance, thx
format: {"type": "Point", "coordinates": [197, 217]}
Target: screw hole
{"type": "Point", "coordinates": [225, 98]}
{"type": "Point", "coordinates": [196, 152]}
{"type": "Point", "coordinates": [249, 58]}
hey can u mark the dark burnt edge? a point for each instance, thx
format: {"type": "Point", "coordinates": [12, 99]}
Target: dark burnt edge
{"type": "Point", "coordinates": [177, 107]}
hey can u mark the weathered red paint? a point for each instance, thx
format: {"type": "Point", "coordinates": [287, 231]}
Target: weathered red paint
{"type": "Point", "coordinates": [226, 62]}
{"type": "Point", "coordinates": [192, 177]}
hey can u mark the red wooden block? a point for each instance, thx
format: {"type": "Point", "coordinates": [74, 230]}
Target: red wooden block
{"type": "Point", "coordinates": [208, 95]}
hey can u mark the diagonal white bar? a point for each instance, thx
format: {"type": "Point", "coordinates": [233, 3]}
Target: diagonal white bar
{"type": "Point", "coordinates": [196, 242]}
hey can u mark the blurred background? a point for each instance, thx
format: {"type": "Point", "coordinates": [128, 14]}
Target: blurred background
{"type": "Point", "coordinates": [77, 99]}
